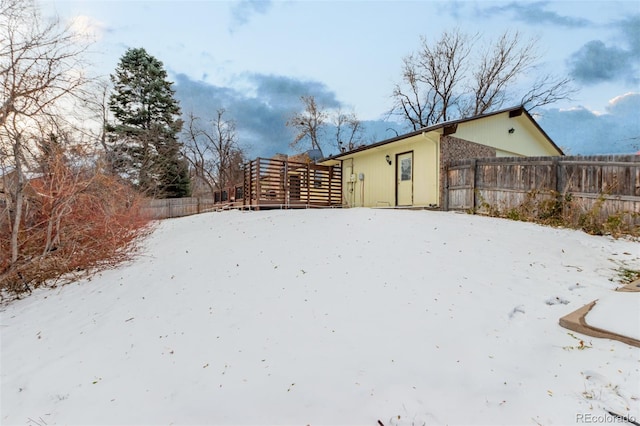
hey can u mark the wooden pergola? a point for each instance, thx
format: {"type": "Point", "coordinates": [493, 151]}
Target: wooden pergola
{"type": "Point", "coordinates": [277, 183]}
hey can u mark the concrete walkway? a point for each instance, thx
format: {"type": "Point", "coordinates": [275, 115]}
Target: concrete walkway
{"type": "Point", "coordinates": [577, 320]}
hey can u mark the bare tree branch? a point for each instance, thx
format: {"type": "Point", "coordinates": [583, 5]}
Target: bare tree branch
{"type": "Point", "coordinates": [431, 77]}
{"type": "Point", "coordinates": [499, 67]}
{"type": "Point", "coordinates": [213, 152]}
{"type": "Point", "coordinates": [308, 123]}
{"type": "Point", "coordinates": [452, 79]}
{"type": "Point", "coordinates": [349, 130]}
{"type": "Point", "coordinates": [547, 90]}
{"type": "Point", "coordinates": [40, 66]}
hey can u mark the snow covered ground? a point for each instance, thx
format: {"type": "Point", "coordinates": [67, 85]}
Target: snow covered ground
{"type": "Point", "coordinates": [335, 317]}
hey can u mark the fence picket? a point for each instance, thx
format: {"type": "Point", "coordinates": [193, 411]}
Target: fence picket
{"type": "Point", "coordinates": [505, 183]}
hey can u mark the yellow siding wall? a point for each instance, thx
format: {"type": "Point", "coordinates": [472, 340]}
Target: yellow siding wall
{"type": "Point", "coordinates": [493, 131]}
{"type": "Point", "coordinates": [378, 189]}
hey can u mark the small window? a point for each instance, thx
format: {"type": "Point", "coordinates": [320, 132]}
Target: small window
{"type": "Point", "coordinates": [405, 169]}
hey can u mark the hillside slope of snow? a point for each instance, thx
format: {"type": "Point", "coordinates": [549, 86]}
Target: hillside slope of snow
{"type": "Point", "coordinates": [335, 317]}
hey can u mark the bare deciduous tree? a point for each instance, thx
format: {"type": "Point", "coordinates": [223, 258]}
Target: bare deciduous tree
{"type": "Point", "coordinates": [213, 151]}
{"type": "Point", "coordinates": [349, 131]}
{"type": "Point", "coordinates": [199, 154]}
{"type": "Point", "coordinates": [60, 215]}
{"type": "Point", "coordinates": [96, 108]}
{"type": "Point", "coordinates": [453, 79]}
{"type": "Point", "coordinates": [312, 125]}
{"type": "Point", "coordinates": [430, 90]}
{"type": "Point", "coordinates": [40, 67]}
{"type": "Point", "coordinates": [309, 123]}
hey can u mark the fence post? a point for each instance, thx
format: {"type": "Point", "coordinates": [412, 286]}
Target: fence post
{"type": "Point", "coordinates": [285, 184]}
{"type": "Point", "coordinates": [258, 189]}
{"type": "Point", "coordinates": [474, 167]}
{"type": "Point", "coordinates": [557, 185]}
{"type": "Point", "coordinates": [330, 184]}
{"type": "Point", "coordinates": [445, 189]}
{"type": "Point", "coordinates": [308, 186]}
{"type": "Point", "coordinates": [246, 192]}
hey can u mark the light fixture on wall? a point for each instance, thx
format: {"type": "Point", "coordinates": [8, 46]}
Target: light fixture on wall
{"type": "Point", "coordinates": [511, 130]}
{"type": "Point", "coordinates": [388, 159]}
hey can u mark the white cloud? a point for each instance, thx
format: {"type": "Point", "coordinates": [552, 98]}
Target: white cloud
{"type": "Point", "coordinates": [87, 27]}
{"type": "Point", "coordinates": [622, 98]}
{"type": "Point", "coordinates": [580, 108]}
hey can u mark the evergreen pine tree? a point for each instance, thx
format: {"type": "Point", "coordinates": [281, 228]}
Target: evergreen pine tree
{"type": "Point", "coordinates": [143, 137]}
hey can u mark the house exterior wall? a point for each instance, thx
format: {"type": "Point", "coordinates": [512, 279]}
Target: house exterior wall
{"type": "Point", "coordinates": [526, 140]}
{"type": "Point", "coordinates": [378, 189]}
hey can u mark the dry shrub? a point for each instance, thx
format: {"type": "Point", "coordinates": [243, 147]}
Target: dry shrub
{"type": "Point", "coordinates": [567, 211]}
{"type": "Point", "coordinates": [74, 222]}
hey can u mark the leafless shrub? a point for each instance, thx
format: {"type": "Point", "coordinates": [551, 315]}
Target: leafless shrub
{"type": "Point", "coordinates": [75, 221]}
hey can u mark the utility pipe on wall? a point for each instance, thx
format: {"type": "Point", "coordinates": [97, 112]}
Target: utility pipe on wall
{"type": "Point", "coordinates": [361, 178]}
{"type": "Point", "coordinates": [436, 146]}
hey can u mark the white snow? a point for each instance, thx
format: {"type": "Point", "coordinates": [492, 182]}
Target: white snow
{"type": "Point", "coordinates": [334, 317]}
{"type": "Point", "coordinates": [618, 312]}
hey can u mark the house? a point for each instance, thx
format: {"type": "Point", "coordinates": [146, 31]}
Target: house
{"type": "Point", "coordinates": [408, 170]}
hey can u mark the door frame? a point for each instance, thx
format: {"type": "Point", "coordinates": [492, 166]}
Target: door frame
{"type": "Point", "coordinates": [396, 181]}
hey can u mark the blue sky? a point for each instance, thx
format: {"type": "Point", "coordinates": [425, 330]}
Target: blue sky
{"type": "Point", "coordinates": [256, 58]}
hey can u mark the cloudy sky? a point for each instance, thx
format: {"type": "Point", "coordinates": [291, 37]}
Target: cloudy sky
{"type": "Point", "coordinates": [256, 58]}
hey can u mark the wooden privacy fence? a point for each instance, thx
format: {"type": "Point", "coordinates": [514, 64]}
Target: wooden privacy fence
{"type": "Point", "coordinates": [271, 183]}
{"type": "Point", "coordinates": [608, 184]}
{"type": "Point", "coordinates": [177, 207]}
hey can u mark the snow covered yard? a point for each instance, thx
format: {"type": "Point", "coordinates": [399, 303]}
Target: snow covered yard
{"type": "Point", "coordinates": [335, 317]}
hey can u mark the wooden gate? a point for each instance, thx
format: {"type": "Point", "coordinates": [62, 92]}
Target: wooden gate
{"type": "Point", "coordinates": [460, 186]}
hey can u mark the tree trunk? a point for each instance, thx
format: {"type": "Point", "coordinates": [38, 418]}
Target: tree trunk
{"type": "Point", "coordinates": [17, 218]}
